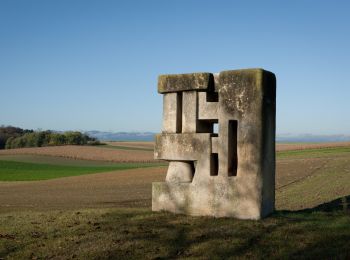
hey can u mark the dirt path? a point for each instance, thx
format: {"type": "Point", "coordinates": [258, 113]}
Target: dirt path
{"type": "Point", "coordinates": [129, 188]}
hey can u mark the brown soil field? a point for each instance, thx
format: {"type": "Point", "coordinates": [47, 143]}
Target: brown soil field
{"type": "Point", "coordinates": [303, 146]}
{"type": "Point", "coordinates": [95, 153]}
{"type": "Point", "coordinates": [290, 170]}
{"type": "Point", "coordinates": [129, 188]}
{"type": "Point", "coordinates": [146, 145]}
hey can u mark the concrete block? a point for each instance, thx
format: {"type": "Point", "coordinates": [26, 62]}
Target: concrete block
{"type": "Point", "coordinates": [181, 147]}
{"type": "Point", "coordinates": [229, 174]}
{"type": "Point", "coordinates": [189, 115]}
{"type": "Point", "coordinates": [172, 113]}
{"type": "Point", "coordinates": [207, 110]}
{"type": "Point", "coordinates": [183, 82]}
{"type": "Point", "coordinates": [180, 172]}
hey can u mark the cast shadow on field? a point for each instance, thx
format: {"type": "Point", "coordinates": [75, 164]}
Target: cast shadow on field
{"type": "Point", "coordinates": [162, 235]}
{"type": "Point", "coordinates": [341, 204]}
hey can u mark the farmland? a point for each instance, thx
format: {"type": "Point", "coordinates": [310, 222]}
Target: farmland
{"type": "Point", "coordinates": [94, 153]}
{"type": "Point", "coordinates": [24, 171]}
{"type": "Point", "coordinates": [107, 214]}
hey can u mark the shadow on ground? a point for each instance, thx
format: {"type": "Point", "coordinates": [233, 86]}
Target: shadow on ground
{"type": "Point", "coordinates": [322, 232]}
{"type": "Point", "coordinates": [340, 204]}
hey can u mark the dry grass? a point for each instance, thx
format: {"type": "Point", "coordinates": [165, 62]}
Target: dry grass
{"type": "Point", "coordinates": [142, 234]}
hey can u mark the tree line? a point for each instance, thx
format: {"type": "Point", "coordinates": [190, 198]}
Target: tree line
{"type": "Point", "coordinates": [15, 137]}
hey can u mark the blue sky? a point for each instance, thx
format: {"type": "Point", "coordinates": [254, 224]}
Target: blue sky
{"type": "Point", "coordinates": [87, 65]}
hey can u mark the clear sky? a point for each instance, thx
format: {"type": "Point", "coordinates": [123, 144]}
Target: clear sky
{"type": "Point", "coordinates": [93, 65]}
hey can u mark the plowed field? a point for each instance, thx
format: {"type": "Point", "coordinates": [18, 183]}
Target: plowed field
{"type": "Point", "coordinates": [96, 153]}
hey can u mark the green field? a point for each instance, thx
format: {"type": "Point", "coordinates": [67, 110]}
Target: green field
{"type": "Point", "coordinates": [25, 171]}
{"type": "Point", "coordinates": [314, 152]}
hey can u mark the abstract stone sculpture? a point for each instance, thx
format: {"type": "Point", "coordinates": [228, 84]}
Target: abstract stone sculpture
{"type": "Point", "coordinates": [229, 174]}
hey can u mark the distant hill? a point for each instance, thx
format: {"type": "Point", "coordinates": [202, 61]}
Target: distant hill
{"type": "Point", "coordinates": [310, 138]}
{"type": "Point", "coordinates": [121, 136]}
{"type": "Point", "coordinates": [149, 136]}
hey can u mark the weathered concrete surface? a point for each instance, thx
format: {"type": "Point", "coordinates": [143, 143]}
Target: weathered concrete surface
{"type": "Point", "coordinates": [182, 82]}
{"type": "Point", "coordinates": [225, 198]}
{"type": "Point", "coordinates": [180, 172]}
{"type": "Point", "coordinates": [172, 113]}
{"type": "Point", "coordinates": [207, 110]}
{"type": "Point", "coordinates": [234, 171]}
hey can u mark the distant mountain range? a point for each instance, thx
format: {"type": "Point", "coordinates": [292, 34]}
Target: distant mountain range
{"type": "Point", "coordinates": [310, 138]}
{"type": "Point", "coordinates": [121, 136]}
{"type": "Point", "coordinates": [149, 136]}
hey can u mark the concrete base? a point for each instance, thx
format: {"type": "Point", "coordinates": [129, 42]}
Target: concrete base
{"type": "Point", "coordinates": [217, 199]}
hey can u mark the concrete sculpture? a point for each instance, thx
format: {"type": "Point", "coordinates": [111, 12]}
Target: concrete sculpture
{"type": "Point", "coordinates": [226, 174]}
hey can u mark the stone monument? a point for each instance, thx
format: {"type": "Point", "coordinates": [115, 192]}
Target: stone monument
{"type": "Point", "coordinates": [230, 173]}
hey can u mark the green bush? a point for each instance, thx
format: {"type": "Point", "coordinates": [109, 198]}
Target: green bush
{"type": "Point", "coordinates": [9, 142]}
{"type": "Point", "coordinates": [57, 139]}
{"type": "Point", "coordinates": [9, 131]}
{"type": "Point", "coordinates": [48, 138]}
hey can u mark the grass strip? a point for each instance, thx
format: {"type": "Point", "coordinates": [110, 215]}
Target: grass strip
{"type": "Point", "coordinates": [24, 171]}
{"type": "Point", "coordinates": [316, 152]}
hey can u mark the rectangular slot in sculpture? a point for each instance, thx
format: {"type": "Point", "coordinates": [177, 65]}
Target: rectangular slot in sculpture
{"type": "Point", "coordinates": [232, 148]}
{"type": "Point", "coordinates": [230, 173]}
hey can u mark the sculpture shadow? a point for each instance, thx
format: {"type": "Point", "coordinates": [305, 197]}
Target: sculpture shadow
{"type": "Point", "coordinates": [341, 204]}
{"type": "Point", "coordinates": [319, 232]}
